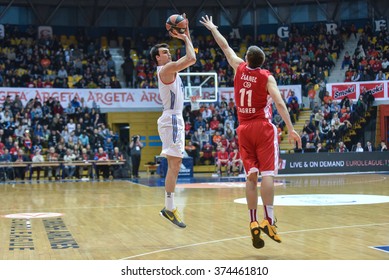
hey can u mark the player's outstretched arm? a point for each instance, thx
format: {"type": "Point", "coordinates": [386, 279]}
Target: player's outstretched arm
{"type": "Point", "coordinates": [231, 56]}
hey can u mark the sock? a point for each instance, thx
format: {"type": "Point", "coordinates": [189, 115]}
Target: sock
{"type": "Point", "coordinates": [269, 213]}
{"type": "Point", "coordinates": [169, 201]}
{"type": "Point", "coordinates": [253, 215]}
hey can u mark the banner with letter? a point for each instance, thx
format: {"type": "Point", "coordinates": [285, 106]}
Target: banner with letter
{"type": "Point", "coordinates": [124, 98]}
{"type": "Point", "coordinates": [105, 98]}
{"type": "Point", "coordinates": [374, 88]}
{"type": "Point", "coordinates": [379, 89]}
{"type": "Point", "coordinates": [127, 98]}
{"type": "Point", "coordinates": [340, 91]}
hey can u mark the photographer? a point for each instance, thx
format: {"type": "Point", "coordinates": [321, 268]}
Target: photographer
{"type": "Point", "coordinates": [135, 150]}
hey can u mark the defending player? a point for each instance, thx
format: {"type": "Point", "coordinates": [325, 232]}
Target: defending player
{"type": "Point", "coordinates": [254, 91]}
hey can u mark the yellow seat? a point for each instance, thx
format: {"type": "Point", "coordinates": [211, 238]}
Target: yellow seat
{"type": "Point", "coordinates": [73, 40]}
{"type": "Point", "coordinates": [346, 139]}
{"type": "Point", "coordinates": [213, 52]}
{"type": "Point", "coordinates": [104, 42]}
{"type": "Point", "coordinates": [120, 40]}
{"type": "Point", "coordinates": [63, 39]}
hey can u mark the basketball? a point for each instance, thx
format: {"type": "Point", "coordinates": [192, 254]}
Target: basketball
{"type": "Point", "coordinates": [176, 22]}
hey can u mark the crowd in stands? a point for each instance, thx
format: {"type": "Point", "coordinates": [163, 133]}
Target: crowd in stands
{"type": "Point", "coordinates": [306, 58]}
{"type": "Point", "coordinates": [370, 60]}
{"type": "Point", "coordinates": [331, 121]}
{"type": "Point", "coordinates": [48, 132]}
{"type": "Point", "coordinates": [26, 61]}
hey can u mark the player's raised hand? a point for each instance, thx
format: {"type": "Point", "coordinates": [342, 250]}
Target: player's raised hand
{"type": "Point", "coordinates": [207, 22]}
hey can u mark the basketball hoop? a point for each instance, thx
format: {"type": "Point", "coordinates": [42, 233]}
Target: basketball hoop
{"type": "Point", "coordinates": [194, 104]}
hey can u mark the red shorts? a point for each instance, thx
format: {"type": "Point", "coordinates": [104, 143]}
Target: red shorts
{"type": "Point", "coordinates": [223, 163]}
{"type": "Point", "coordinates": [258, 146]}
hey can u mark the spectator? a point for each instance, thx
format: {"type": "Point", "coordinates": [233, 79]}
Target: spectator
{"type": "Point", "coordinates": [52, 171]}
{"type": "Point", "coordinates": [108, 145]}
{"type": "Point", "coordinates": [332, 138]}
{"type": "Point", "coordinates": [369, 147]}
{"type": "Point", "coordinates": [192, 151]}
{"type": "Point", "coordinates": [199, 122]}
{"type": "Point", "coordinates": [342, 148]}
{"type": "Point", "coordinates": [85, 156]}
{"type": "Point", "coordinates": [128, 70]}
{"type": "Point", "coordinates": [101, 156]}
{"type": "Point", "coordinates": [54, 138]}
{"type": "Point", "coordinates": [69, 169]}
{"type": "Point", "coordinates": [20, 158]}
{"type": "Point", "coordinates": [309, 128]}
{"type": "Point", "coordinates": [383, 147]}
{"type": "Point", "coordinates": [327, 98]}
{"type": "Point", "coordinates": [37, 158]}
{"type": "Point", "coordinates": [135, 148]}
{"type": "Point", "coordinates": [207, 154]}
{"type": "Point", "coordinates": [116, 169]}
{"type": "Point", "coordinates": [204, 138]}
{"type": "Point", "coordinates": [214, 123]}
{"type": "Point", "coordinates": [7, 171]}
{"type": "Point", "coordinates": [75, 103]}
{"type": "Point", "coordinates": [320, 148]}
{"type": "Point", "coordinates": [222, 160]}
{"type": "Point", "coordinates": [359, 148]}
{"type": "Point", "coordinates": [318, 118]}
{"type": "Point", "coordinates": [346, 60]}
{"type": "Point", "coordinates": [195, 139]}
{"type": "Point", "coordinates": [235, 163]}
{"type": "Point", "coordinates": [380, 76]}
{"type": "Point", "coordinates": [207, 114]}
{"type": "Point", "coordinates": [292, 97]}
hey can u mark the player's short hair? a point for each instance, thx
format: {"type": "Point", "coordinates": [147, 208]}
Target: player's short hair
{"type": "Point", "coordinates": [255, 57]}
{"type": "Point", "coordinates": [155, 51]}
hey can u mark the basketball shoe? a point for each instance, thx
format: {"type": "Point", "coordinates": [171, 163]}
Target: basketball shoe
{"type": "Point", "coordinates": [270, 230]}
{"type": "Point", "coordinates": [173, 216]}
{"type": "Point", "coordinates": [256, 235]}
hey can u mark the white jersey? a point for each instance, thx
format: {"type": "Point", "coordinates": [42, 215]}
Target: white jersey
{"type": "Point", "coordinates": [172, 94]}
{"type": "Point", "coordinates": [171, 124]}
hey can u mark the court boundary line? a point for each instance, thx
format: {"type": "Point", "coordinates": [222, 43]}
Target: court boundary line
{"type": "Point", "coordinates": [246, 236]}
{"type": "Point", "coordinates": [374, 247]}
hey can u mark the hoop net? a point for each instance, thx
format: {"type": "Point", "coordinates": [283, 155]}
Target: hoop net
{"type": "Point", "coordinates": [194, 103]}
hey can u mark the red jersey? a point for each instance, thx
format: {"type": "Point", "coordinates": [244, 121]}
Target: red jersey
{"type": "Point", "coordinates": [258, 145]}
{"type": "Point", "coordinates": [250, 91]}
{"type": "Point", "coordinates": [222, 155]}
{"type": "Point", "coordinates": [234, 156]}
{"type": "Point", "coordinates": [102, 156]}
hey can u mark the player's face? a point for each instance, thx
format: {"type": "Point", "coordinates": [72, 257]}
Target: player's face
{"type": "Point", "coordinates": [164, 56]}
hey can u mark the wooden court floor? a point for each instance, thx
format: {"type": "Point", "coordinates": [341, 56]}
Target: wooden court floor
{"type": "Point", "coordinates": [119, 220]}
